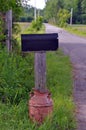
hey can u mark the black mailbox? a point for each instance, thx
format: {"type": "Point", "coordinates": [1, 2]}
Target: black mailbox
{"type": "Point", "coordinates": [39, 42]}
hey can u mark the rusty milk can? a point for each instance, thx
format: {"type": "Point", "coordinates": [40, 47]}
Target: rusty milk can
{"type": "Point", "coordinates": [40, 106]}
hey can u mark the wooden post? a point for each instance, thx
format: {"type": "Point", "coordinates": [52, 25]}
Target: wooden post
{"type": "Point", "coordinates": [9, 30]}
{"type": "Point", "coordinates": [35, 11]}
{"type": "Point", "coordinates": [40, 71]}
{"type": "Point", "coordinates": [71, 16]}
{"type": "Point", "coordinates": [40, 103]}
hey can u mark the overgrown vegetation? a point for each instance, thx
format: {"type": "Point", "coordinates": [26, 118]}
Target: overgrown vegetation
{"type": "Point", "coordinates": [63, 16]}
{"type": "Point", "coordinates": [16, 81]}
{"type": "Point", "coordinates": [28, 14]}
{"type": "Point", "coordinates": [54, 6]}
{"type": "Point", "coordinates": [79, 30]}
{"type": "Point", "coordinates": [2, 36]}
{"type": "Point", "coordinates": [36, 25]}
{"type": "Point", "coordinates": [17, 76]}
{"type": "Point", "coordinates": [13, 67]}
{"type": "Point", "coordinates": [14, 72]}
{"type": "Point", "coordinates": [16, 7]}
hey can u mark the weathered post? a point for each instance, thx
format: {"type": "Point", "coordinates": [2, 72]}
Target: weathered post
{"type": "Point", "coordinates": [40, 103]}
{"type": "Point", "coordinates": [9, 30]}
{"type": "Point", "coordinates": [40, 71]}
{"type": "Point", "coordinates": [71, 17]}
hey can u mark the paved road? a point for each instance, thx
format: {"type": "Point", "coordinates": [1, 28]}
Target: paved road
{"type": "Point", "coordinates": [75, 47]}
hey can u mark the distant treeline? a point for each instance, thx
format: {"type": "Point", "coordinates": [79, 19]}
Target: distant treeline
{"type": "Point", "coordinates": [78, 7]}
{"type": "Point", "coordinates": [28, 14]}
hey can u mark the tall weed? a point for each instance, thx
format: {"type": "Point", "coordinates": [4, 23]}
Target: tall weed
{"type": "Point", "coordinates": [16, 80]}
{"type": "Point", "coordinates": [16, 76]}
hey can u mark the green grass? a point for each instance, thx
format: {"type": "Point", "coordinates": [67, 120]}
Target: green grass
{"type": "Point", "coordinates": [22, 27]}
{"type": "Point", "coordinates": [14, 116]}
{"type": "Point", "coordinates": [59, 82]}
{"type": "Point", "coordinates": [25, 29]}
{"type": "Point", "coordinates": [30, 31]}
{"type": "Point", "coordinates": [79, 30]}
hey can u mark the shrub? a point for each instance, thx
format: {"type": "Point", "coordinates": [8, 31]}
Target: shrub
{"type": "Point", "coordinates": [36, 25]}
{"type": "Point", "coordinates": [2, 33]}
{"type": "Point", "coordinates": [63, 16]}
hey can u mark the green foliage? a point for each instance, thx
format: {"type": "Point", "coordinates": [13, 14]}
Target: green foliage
{"type": "Point", "coordinates": [63, 16]}
{"type": "Point", "coordinates": [58, 80]}
{"type": "Point", "coordinates": [15, 117]}
{"type": "Point", "coordinates": [79, 30]}
{"type": "Point", "coordinates": [4, 7]}
{"type": "Point", "coordinates": [36, 25]}
{"type": "Point", "coordinates": [51, 10]}
{"type": "Point", "coordinates": [83, 5]}
{"type": "Point", "coordinates": [2, 36]}
{"type": "Point", "coordinates": [26, 19]}
{"type": "Point", "coordinates": [16, 29]}
{"type": "Point", "coordinates": [28, 14]}
{"type": "Point", "coordinates": [53, 7]}
{"type": "Point", "coordinates": [83, 16]}
{"type": "Point", "coordinates": [16, 76]}
{"type": "Point", "coordinates": [16, 80]}
{"type": "Point", "coordinates": [11, 4]}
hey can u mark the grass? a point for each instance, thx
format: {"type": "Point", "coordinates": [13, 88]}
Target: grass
{"type": "Point", "coordinates": [79, 30]}
{"type": "Point", "coordinates": [29, 31]}
{"type": "Point", "coordinates": [59, 83]}
{"type": "Point", "coordinates": [24, 28]}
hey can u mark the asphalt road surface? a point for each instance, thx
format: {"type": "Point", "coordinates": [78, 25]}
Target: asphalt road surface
{"type": "Point", "coordinates": [75, 47]}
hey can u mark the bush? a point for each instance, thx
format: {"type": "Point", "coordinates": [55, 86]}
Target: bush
{"type": "Point", "coordinates": [36, 25]}
{"type": "Point", "coordinates": [2, 32]}
{"type": "Point", "coordinates": [63, 16]}
{"type": "Point", "coordinates": [15, 117]}
{"type": "Point", "coordinates": [16, 76]}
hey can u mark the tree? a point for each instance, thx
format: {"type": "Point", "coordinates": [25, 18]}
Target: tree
{"type": "Point", "coordinates": [83, 6]}
{"type": "Point", "coordinates": [52, 8]}
{"type": "Point", "coordinates": [15, 5]}
{"type": "Point", "coordinates": [79, 9]}
{"type": "Point", "coordinates": [63, 16]}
